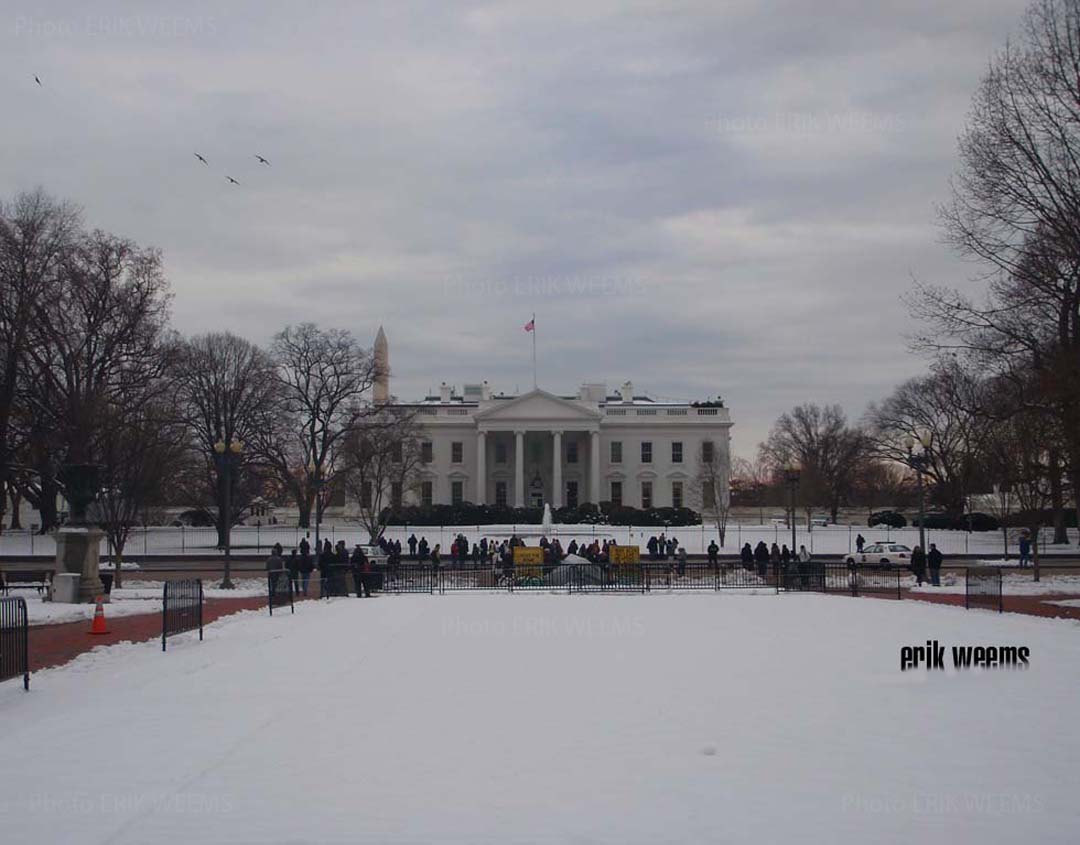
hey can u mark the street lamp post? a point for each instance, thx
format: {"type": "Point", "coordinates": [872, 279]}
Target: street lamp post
{"type": "Point", "coordinates": [225, 453]}
{"type": "Point", "coordinates": [918, 462]}
{"type": "Point", "coordinates": [791, 478]}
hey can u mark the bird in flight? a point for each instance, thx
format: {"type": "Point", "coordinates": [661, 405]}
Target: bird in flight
{"type": "Point", "coordinates": [232, 180]}
{"type": "Point", "coordinates": [203, 160]}
{"type": "Point", "coordinates": [263, 160]}
{"type": "Point", "coordinates": [38, 81]}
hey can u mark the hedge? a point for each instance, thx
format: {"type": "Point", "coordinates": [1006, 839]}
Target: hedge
{"type": "Point", "coordinates": [584, 514]}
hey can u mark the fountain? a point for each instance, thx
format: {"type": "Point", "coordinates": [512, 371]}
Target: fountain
{"type": "Point", "coordinates": [545, 523]}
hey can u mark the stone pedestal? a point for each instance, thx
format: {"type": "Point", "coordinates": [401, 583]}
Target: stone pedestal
{"type": "Point", "coordinates": [78, 551]}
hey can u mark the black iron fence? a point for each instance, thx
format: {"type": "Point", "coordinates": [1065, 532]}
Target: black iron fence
{"type": "Point", "coordinates": [14, 640]}
{"type": "Point", "coordinates": [983, 588]}
{"type": "Point", "coordinates": [573, 578]}
{"type": "Point", "coordinates": [182, 608]}
{"type": "Point", "coordinates": [279, 588]}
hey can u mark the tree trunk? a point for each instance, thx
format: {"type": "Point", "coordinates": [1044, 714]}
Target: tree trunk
{"type": "Point", "coordinates": [118, 558]}
{"type": "Point", "coordinates": [304, 516]}
{"type": "Point", "coordinates": [1057, 498]}
{"type": "Point", "coordinates": [46, 506]}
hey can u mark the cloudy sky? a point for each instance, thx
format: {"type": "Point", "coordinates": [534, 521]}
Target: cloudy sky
{"type": "Point", "coordinates": [704, 197]}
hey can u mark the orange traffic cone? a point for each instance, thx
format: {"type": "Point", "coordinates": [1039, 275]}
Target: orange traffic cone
{"type": "Point", "coordinates": [98, 626]}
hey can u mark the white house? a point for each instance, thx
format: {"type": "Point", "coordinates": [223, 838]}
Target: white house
{"type": "Point", "coordinates": [540, 447]}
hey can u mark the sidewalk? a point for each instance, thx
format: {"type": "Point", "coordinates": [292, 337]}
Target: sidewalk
{"type": "Point", "coordinates": [54, 645]}
{"type": "Point", "coordinates": [1030, 605]}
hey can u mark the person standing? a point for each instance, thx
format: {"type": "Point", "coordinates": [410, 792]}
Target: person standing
{"type": "Point", "coordinates": [746, 555]}
{"type": "Point", "coordinates": [307, 566]}
{"type": "Point", "coordinates": [761, 557]}
{"type": "Point", "coordinates": [1025, 550]}
{"type": "Point", "coordinates": [714, 554]}
{"type": "Point", "coordinates": [804, 567]}
{"type": "Point", "coordinates": [275, 566]}
{"type": "Point", "coordinates": [860, 541]}
{"type": "Point", "coordinates": [934, 558]}
{"type": "Point", "coordinates": [293, 565]}
{"type": "Point", "coordinates": [681, 553]}
{"type": "Point", "coordinates": [918, 565]}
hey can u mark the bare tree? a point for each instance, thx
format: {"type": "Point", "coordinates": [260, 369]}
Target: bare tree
{"type": "Point", "coordinates": [828, 450]}
{"type": "Point", "coordinates": [939, 405]}
{"type": "Point", "coordinates": [225, 392]}
{"type": "Point", "coordinates": [710, 489]}
{"type": "Point", "coordinates": [140, 455]}
{"type": "Point", "coordinates": [35, 233]}
{"type": "Point", "coordinates": [1015, 209]}
{"type": "Point", "coordinates": [382, 461]}
{"type": "Point", "coordinates": [321, 378]}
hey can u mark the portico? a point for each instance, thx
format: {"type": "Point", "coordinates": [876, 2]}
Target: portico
{"type": "Point", "coordinates": [550, 434]}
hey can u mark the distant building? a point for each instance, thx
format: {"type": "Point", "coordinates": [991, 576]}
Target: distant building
{"type": "Point", "coordinates": [539, 447]}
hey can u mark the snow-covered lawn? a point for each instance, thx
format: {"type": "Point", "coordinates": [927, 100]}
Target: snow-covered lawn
{"type": "Point", "coordinates": [140, 597]}
{"type": "Point", "coordinates": [554, 718]}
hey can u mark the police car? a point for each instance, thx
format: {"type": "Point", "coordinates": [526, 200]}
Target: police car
{"type": "Point", "coordinates": [882, 553]}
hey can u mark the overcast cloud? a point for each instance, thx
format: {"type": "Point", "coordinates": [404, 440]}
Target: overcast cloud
{"type": "Point", "coordinates": [704, 197]}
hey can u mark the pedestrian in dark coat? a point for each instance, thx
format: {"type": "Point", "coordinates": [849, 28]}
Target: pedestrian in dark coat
{"type": "Point", "coordinates": [293, 565]}
{"type": "Point", "coordinates": [307, 566]}
{"type": "Point", "coordinates": [359, 564]}
{"type": "Point", "coordinates": [935, 559]}
{"type": "Point", "coordinates": [747, 556]}
{"type": "Point", "coordinates": [918, 564]}
{"type": "Point", "coordinates": [860, 541]}
{"type": "Point", "coordinates": [761, 557]}
{"type": "Point", "coordinates": [714, 553]}
{"type": "Point", "coordinates": [412, 545]}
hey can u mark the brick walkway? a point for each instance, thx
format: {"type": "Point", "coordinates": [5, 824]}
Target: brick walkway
{"type": "Point", "coordinates": [54, 645]}
{"type": "Point", "coordinates": [1031, 605]}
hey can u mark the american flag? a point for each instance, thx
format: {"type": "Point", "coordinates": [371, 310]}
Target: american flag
{"type": "Point", "coordinates": [531, 325]}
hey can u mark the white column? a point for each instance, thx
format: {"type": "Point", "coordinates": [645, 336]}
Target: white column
{"type": "Point", "coordinates": [519, 469]}
{"type": "Point", "coordinates": [594, 467]}
{"type": "Point", "coordinates": [556, 470]}
{"type": "Point", "coordinates": [481, 468]}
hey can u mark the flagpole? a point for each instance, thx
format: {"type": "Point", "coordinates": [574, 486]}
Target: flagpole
{"type": "Point", "coordinates": [534, 348]}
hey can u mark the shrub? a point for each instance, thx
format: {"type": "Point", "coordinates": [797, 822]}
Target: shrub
{"type": "Point", "coordinates": [890, 518]}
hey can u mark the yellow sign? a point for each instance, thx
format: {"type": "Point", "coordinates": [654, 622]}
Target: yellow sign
{"type": "Point", "coordinates": [528, 561]}
{"type": "Point", "coordinates": [624, 554]}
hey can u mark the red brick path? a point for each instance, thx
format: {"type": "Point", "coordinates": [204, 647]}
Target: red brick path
{"type": "Point", "coordinates": [1031, 605]}
{"type": "Point", "coordinates": [53, 645]}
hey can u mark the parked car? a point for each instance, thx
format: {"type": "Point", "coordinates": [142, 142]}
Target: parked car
{"type": "Point", "coordinates": [882, 553]}
{"type": "Point", "coordinates": [889, 518]}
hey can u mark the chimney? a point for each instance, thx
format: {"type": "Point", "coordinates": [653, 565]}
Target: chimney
{"type": "Point", "coordinates": [381, 390]}
{"type": "Point", "coordinates": [485, 391]}
{"type": "Point", "coordinates": [627, 391]}
{"type": "Point", "coordinates": [445, 392]}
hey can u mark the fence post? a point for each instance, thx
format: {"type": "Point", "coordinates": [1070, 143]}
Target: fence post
{"type": "Point", "coordinates": [258, 536]}
{"type": "Point", "coordinates": [145, 543]}
{"type": "Point", "coordinates": [183, 540]}
{"type": "Point", "coordinates": [164, 613]}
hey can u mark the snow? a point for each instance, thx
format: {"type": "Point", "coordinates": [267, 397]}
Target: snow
{"type": "Point", "coordinates": [1065, 602]}
{"type": "Point", "coordinates": [1012, 584]}
{"type": "Point", "coordinates": [141, 597]}
{"type": "Point", "coordinates": [584, 718]}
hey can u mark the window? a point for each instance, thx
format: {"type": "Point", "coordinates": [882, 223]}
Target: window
{"type": "Point", "coordinates": [457, 492]}
{"type": "Point", "coordinates": [571, 452]}
{"type": "Point", "coordinates": [365, 494]}
{"type": "Point", "coordinates": [571, 494]}
{"type": "Point", "coordinates": [426, 452]}
{"type": "Point", "coordinates": [426, 494]}
{"type": "Point", "coordinates": [616, 493]}
{"type": "Point", "coordinates": [500, 451]}
{"type": "Point", "coordinates": [708, 494]}
{"type": "Point", "coordinates": [395, 452]}
{"type": "Point", "coordinates": [646, 494]}
{"type": "Point", "coordinates": [676, 494]}
{"type": "Point", "coordinates": [457, 452]}
{"type": "Point", "coordinates": [616, 452]}
{"type": "Point", "coordinates": [646, 452]}
{"type": "Point", "coordinates": [500, 493]}
{"type": "Point", "coordinates": [708, 452]}
{"type": "Point", "coordinates": [676, 452]}
{"type": "Point", "coordinates": [395, 495]}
